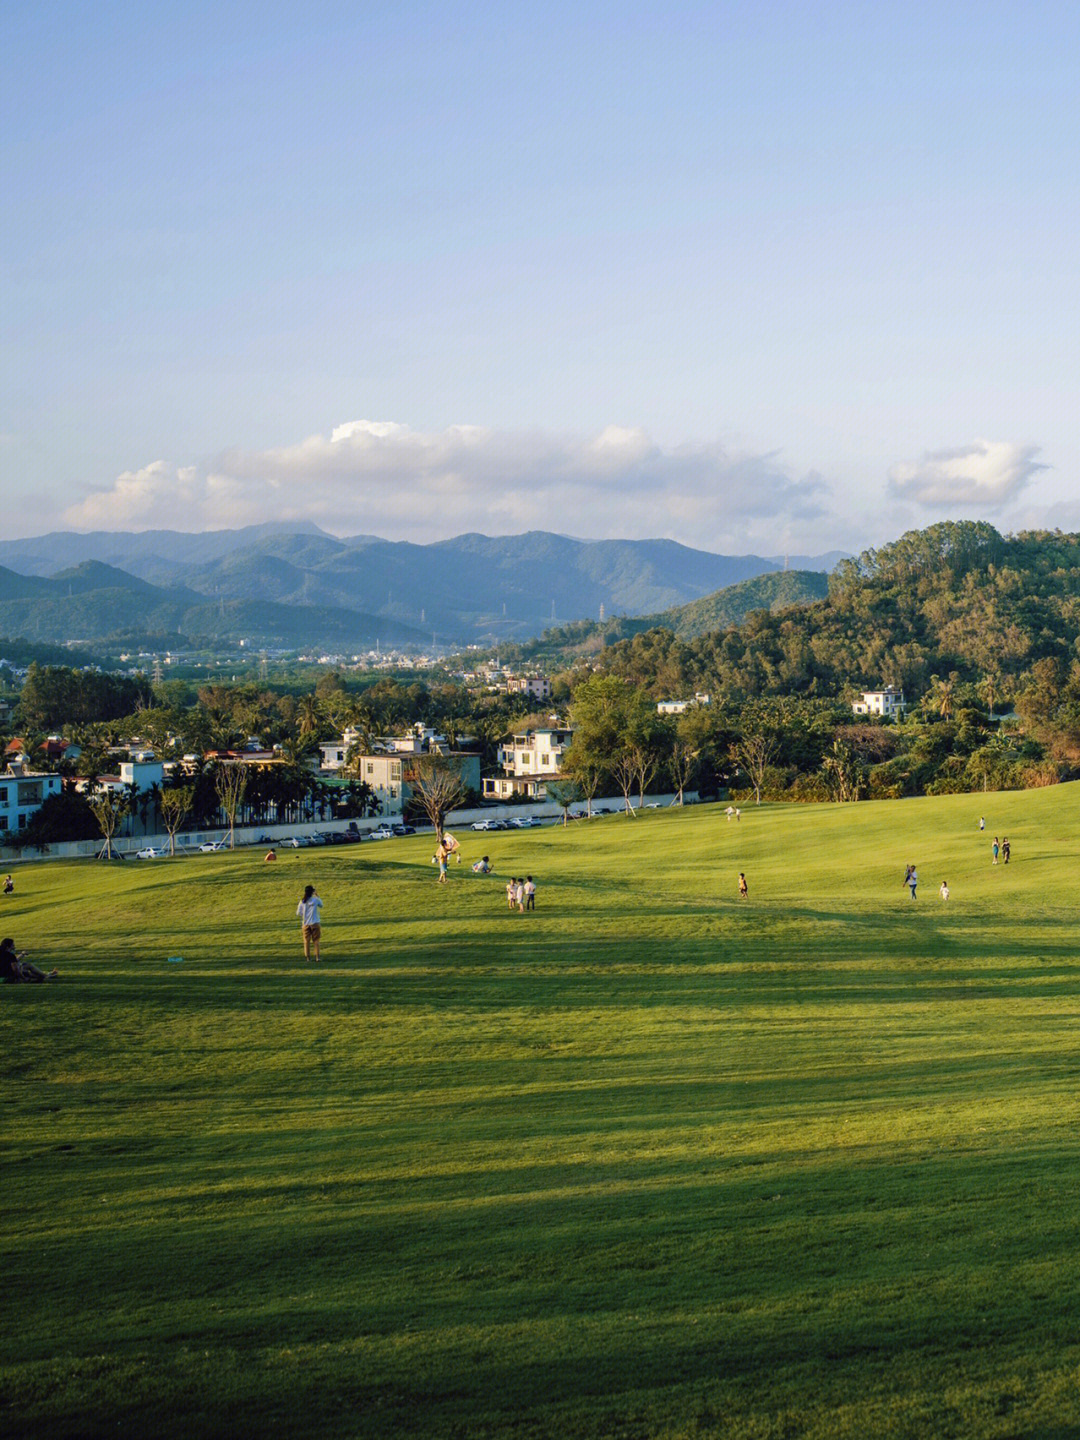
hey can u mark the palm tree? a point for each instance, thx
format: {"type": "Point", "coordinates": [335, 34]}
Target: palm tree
{"type": "Point", "coordinates": [310, 714]}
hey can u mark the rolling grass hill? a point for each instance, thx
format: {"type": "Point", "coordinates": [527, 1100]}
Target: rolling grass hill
{"type": "Point", "coordinates": [650, 1162]}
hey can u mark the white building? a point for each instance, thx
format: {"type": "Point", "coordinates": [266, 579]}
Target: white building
{"type": "Point", "coordinates": [22, 793]}
{"type": "Point", "coordinates": [383, 774]}
{"type": "Point", "coordinates": [887, 702]}
{"type": "Point", "coordinates": [528, 758]}
{"type": "Point", "coordinates": [680, 707]}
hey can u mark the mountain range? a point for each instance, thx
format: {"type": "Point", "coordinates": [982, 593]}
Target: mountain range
{"type": "Point", "coordinates": [285, 585]}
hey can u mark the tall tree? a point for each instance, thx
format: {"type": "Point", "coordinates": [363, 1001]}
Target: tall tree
{"type": "Point", "coordinates": [438, 786]}
{"type": "Point", "coordinates": [110, 811]}
{"type": "Point", "coordinates": [230, 782]}
{"type": "Point", "coordinates": [175, 806]}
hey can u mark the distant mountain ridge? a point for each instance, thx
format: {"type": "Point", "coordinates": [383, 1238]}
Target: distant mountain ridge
{"type": "Point", "coordinates": [470, 588]}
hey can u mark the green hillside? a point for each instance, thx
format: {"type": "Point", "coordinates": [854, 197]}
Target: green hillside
{"type": "Point", "coordinates": [652, 1162]}
{"type": "Point", "coordinates": [731, 606]}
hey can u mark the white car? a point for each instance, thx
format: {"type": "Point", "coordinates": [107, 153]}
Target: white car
{"type": "Point", "coordinates": [489, 825]}
{"type": "Point", "coordinates": [382, 833]}
{"type": "Point", "coordinates": [526, 822]}
{"type": "Point", "coordinates": [210, 847]}
{"type": "Point", "coordinates": [150, 853]}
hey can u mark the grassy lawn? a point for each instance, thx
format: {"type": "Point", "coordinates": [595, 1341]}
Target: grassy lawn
{"type": "Point", "coordinates": [652, 1162]}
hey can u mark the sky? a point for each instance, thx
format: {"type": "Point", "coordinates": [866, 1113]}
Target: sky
{"type": "Point", "coordinates": [754, 277]}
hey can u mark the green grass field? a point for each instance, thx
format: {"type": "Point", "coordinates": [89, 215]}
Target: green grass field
{"type": "Point", "coordinates": [651, 1162]}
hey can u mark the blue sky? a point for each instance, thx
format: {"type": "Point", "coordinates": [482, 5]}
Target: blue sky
{"type": "Point", "coordinates": [754, 277]}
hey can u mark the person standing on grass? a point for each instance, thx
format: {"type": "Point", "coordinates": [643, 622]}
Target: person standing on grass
{"type": "Point", "coordinates": [994, 849]}
{"type": "Point", "coordinates": [309, 910]}
{"type": "Point", "coordinates": [1006, 850]}
{"type": "Point", "coordinates": [530, 893]}
{"type": "Point", "coordinates": [944, 891]}
{"type": "Point", "coordinates": [982, 822]}
{"type": "Point", "coordinates": [744, 893]}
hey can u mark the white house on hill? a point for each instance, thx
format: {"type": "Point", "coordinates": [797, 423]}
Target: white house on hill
{"type": "Point", "coordinates": [887, 702]}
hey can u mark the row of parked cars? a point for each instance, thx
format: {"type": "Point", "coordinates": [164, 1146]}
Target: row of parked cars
{"type": "Point", "coordinates": [524, 822]}
{"type": "Point", "coordinates": [385, 831]}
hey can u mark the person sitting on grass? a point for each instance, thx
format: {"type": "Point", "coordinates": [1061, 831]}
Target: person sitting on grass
{"type": "Point", "coordinates": [15, 970]}
{"type": "Point", "coordinates": [482, 866]}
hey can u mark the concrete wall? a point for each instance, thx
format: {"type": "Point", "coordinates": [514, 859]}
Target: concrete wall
{"type": "Point", "coordinates": [249, 835]}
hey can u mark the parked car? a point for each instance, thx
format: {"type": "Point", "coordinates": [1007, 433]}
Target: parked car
{"type": "Point", "coordinates": [525, 822]}
{"type": "Point", "coordinates": [403, 829]}
{"type": "Point", "coordinates": [382, 832]}
{"type": "Point", "coordinates": [208, 847]}
{"type": "Point", "coordinates": [490, 825]}
{"type": "Point", "coordinates": [150, 853]}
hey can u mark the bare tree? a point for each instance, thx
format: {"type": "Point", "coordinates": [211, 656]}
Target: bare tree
{"type": "Point", "coordinates": [646, 761]}
{"type": "Point", "coordinates": [754, 752]}
{"type": "Point", "coordinates": [437, 784]}
{"type": "Point", "coordinates": [110, 810]}
{"type": "Point", "coordinates": [230, 782]}
{"type": "Point", "coordinates": [175, 806]}
{"type": "Point", "coordinates": [682, 760]}
{"type": "Point", "coordinates": [625, 772]}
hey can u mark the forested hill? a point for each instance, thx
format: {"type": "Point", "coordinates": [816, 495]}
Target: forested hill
{"type": "Point", "coordinates": [561, 645]}
{"type": "Point", "coordinates": [957, 600]}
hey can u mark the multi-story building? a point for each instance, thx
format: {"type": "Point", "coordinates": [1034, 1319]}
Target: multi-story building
{"type": "Point", "coordinates": [528, 758]}
{"type": "Point", "coordinates": [888, 702]}
{"type": "Point", "coordinates": [22, 793]}
{"type": "Point", "coordinates": [537, 687]}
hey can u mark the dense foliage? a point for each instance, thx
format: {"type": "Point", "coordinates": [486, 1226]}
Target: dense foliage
{"type": "Point", "coordinates": [980, 631]}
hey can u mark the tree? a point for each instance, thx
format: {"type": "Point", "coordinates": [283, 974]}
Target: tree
{"type": "Point", "coordinates": [65, 816]}
{"type": "Point", "coordinates": [682, 762]}
{"type": "Point", "coordinates": [624, 772]}
{"type": "Point", "coordinates": [230, 782]}
{"type": "Point", "coordinates": [753, 753]}
{"type": "Point", "coordinates": [845, 773]}
{"type": "Point", "coordinates": [565, 793]}
{"type": "Point", "coordinates": [110, 810]}
{"type": "Point", "coordinates": [175, 806]}
{"type": "Point", "coordinates": [437, 786]}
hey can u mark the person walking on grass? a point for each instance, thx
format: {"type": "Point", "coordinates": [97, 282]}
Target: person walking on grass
{"type": "Point", "coordinates": [310, 912]}
{"type": "Point", "coordinates": [911, 879]}
{"type": "Point", "coordinates": [994, 849]}
{"type": "Point", "coordinates": [441, 853]}
{"type": "Point", "coordinates": [982, 822]}
{"type": "Point", "coordinates": [744, 893]}
{"type": "Point", "coordinates": [1006, 850]}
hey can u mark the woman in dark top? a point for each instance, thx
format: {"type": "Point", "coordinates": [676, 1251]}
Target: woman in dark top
{"type": "Point", "coordinates": [15, 970]}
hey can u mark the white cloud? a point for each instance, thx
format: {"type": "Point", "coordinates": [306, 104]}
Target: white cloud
{"type": "Point", "coordinates": [387, 479]}
{"type": "Point", "coordinates": [987, 474]}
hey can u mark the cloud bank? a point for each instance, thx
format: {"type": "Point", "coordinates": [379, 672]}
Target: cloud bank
{"type": "Point", "coordinates": [376, 477]}
{"type": "Point", "coordinates": [987, 475]}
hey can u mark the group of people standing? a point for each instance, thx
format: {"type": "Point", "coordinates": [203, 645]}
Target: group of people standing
{"type": "Point", "coordinates": [521, 893]}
